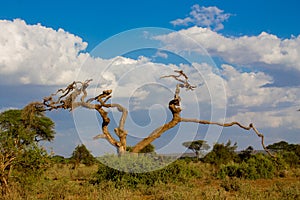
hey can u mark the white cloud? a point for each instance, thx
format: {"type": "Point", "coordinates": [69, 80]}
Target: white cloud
{"type": "Point", "coordinates": [3, 109]}
{"type": "Point", "coordinates": [286, 118]}
{"type": "Point", "coordinates": [37, 54]}
{"type": "Point", "coordinates": [161, 54]}
{"type": "Point", "coordinates": [211, 17]}
{"type": "Point", "coordinates": [248, 89]}
{"type": "Point", "coordinates": [263, 49]}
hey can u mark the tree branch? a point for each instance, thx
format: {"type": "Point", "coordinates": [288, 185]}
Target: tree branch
{"type": "Point", "coordinates": [184, 83]}
{"type": "Point", "coordinates": [105, 123]}
{"type": "Point", "coordinates": [251, 126]}
{"type": "Point", "coordinates": [120, 132]}
{"type": "Point", "coordinates": [175, 109]}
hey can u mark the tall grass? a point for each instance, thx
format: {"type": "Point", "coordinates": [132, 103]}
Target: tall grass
{"type": "Point", "coordinates": [63, 182]}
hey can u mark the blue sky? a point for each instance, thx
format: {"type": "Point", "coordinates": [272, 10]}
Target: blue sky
{"type": "Point", "coordinates": [254, 44]}
{"type": "Point", "coordinates": [96, 21]}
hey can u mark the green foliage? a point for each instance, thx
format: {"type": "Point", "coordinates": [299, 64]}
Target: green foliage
{"type": "Point", "coordinates": [135, 163]}
{"type": "Point", "coordinates": [82, 155]}
{"type": "Point", "coordinates": [26, 128]}
{"type": "Point", "coordinates": [291, 158]}
{"type": "Point", "coordinates": [221, 154]}
{"type": "Point", "coordinates": [59, 159]}
{"type": "Point", "coordinates": [150, 148]}
{"type": "Point", "coordinates": [20, 132]}
{"type": "Point", "coordinates": [34, 160]}
{"type": "Point", "coordinates": [31, 165]}
{"type": "Point", "coordinates": [258, 166]}
{"type": "Point", "coordinates": [280, 146]}
{"type": "Point", "coordinates": [126, 174]}
{"type": "Point", "coordinates": [289, 152]}
{"type": "Point", "coordinates": [246, 154]}
{"type": "Point", "coordinates": [37, 124]}
{"type": "Point", "coordinates": [197, 146]}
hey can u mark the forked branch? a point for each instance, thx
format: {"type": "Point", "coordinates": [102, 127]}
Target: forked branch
{"type": "Point", "coordinates": [67, 99]}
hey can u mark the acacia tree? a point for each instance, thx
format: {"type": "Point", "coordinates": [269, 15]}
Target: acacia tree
{"type": "Point", "coordinates": [82, 155]}
{"type": "Point", "coordinates": [196, 146]}
{"type": "Point", "coordinates": [20, 132]}
{"type": "Point", "coordinates": [74, 96]}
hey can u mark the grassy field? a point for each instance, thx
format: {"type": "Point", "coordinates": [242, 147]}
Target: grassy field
{"type": "Point", "coordinates": [63, 182]}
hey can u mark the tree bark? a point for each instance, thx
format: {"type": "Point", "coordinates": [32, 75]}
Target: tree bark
{"type": "Point", "coordinates": [160, 130]}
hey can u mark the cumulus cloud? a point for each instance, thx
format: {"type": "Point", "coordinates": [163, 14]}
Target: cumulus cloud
{"type": "Point", "coordinates": [35, 54]}
{"type": "Point", "coordinates": [211, 17]}
{"type": "Point", "coordinates": [249, 89]}
{"type": "Point", "coordinates": [286, 118]}
{"type": "Point", "coordinates": [263, 49]}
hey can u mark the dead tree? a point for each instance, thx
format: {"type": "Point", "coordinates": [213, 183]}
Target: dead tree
{"type": "Point", "coordinates": [77, 90]}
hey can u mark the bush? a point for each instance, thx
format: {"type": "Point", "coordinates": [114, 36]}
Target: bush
{"type": "Point", "coordinates": [289, 152]}
{"type": "Point", "coordinates": [82, 155]}
{"type": "Point", "coordinates": [258, 166]}
{"type": "Point", "coordinates": [58, 159]}
{"type": "Point", "coordinates": [177, 171]}
{"type": "Point", "coordinates": [30, 167]}
{"type": "Point", "coordinates": [221, 154]}
{"type": "Point", "coordinates": [291, 159]}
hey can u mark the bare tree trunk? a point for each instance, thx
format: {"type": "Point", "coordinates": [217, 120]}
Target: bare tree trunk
{"type": "Point", "coordinates": [160, 130]}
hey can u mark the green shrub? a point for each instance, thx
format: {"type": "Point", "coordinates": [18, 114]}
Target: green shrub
{"type": "Point", "coordinates": [130, 175]}
{"type": "Point", "coordinates": [261, 167]}
{"type": "Point", "coordinates": [82, 155]}
{"type": "Point", "coordinates": [221, 154]}
{"type": "Point", "coordinates": [59, 159]}
{"type": "Point", "coordinates": [291, 159]}
{"type": "Point", "coordinates": [231, 170]}
{"type": "Point", "coordinates": [258, 166]}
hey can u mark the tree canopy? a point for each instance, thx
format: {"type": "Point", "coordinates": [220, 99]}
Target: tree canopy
{"type": "Point", "coordinates": [282, 146]}
{"type": "Point", "coordinates": [20, 132]}
{"type": "Point", "coordinates": [196, 146]}
{"type": "Point", "coordinates": [221, 153]}
{"type": "Point", "coordinates": [82, 155]}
